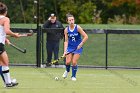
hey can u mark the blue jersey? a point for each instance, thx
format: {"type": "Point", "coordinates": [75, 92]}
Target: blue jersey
{"type": "Point", "coordinates": [74, 37]}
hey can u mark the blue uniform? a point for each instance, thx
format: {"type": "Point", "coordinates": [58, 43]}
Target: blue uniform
{"type": "Point", "coordinates": [74, 39]}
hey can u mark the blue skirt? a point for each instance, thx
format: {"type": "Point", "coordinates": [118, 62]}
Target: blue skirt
{"type": "Point", "coordinates": [79, 51]}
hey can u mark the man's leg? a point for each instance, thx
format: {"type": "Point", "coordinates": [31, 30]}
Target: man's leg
{"type": "Point", "coordinates": [49, 53]}
{"type": "Point", "coordinates": [56, 52]}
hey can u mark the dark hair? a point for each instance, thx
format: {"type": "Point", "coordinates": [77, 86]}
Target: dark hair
{"type": "Point", "coordinates": [3, 8]}
{"type": "Point", "coordinates": [68, 15]}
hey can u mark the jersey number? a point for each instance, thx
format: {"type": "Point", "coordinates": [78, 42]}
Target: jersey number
{"type": "Point", "coordinates": [73, 39]}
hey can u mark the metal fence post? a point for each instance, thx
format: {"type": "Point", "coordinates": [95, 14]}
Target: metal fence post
{"type": "Point", "coordinates": [106, 63]}
{"type": "Point", "coordinates": [38, 41]}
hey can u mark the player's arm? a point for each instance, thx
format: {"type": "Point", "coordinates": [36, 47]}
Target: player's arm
{"type": "Point", "coordinates": [85, 36]}
{"type": "Point", "coordinates": [65, 41]}
{"type": "Point", "coordinates": [7, 28]}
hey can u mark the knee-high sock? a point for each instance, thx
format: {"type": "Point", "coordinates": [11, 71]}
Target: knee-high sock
{"type": "Point", "coordinates": [68, 68]}
{"type": "Point", "coordinates": [2, 74]}
{"type": "Point", "coordinates": [74, 70]}
{"type": "Point", "coordinates": [6, 74]}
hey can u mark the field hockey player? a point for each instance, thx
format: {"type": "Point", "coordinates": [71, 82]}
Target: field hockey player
{"type": "Point", "coordinates": [73, 41]}
{"type": "Point", "coordinates": [4, 60]}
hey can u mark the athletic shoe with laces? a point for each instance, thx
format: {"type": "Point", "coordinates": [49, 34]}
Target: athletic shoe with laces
{"type": "Point", "coordinates": [11, 84]}
{"type": "Point", "coordinates": [73, 78]}
{"type": "Point", "coordinates": [65, 74]}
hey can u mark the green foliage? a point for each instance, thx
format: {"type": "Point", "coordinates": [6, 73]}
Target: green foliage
{"type": "Point", "coordinates": [20, 11]}
{"type": "Point", "coordinates": [86, 12]}
{"type": "Point", "coordinates": [23, 11]}
{"type": "Point", "coordinates": [97, 17]}
{"type": "Point", "coordinates": [113, 8]}
{"type": "Point", "coordinates": [117, 20]}
{"type": "Point", "coordinates": [67, 6]}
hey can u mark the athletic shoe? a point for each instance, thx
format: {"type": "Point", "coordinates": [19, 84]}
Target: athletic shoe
{"type": "Point", "coordinates": [48, 64]}
{"type": "Point", "coordinates": [73, 78]}
{"type": "Point", "coordinates": [11, 84]}
{"type": "Point", "coordinates": [65, 74]}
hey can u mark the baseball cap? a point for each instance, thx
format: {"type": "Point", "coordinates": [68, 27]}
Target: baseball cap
{"type": "Point", "coordinates": [52, 16]}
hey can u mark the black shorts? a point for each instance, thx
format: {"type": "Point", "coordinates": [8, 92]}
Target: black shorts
{"type": "Point", "coordinates": [2, 49]}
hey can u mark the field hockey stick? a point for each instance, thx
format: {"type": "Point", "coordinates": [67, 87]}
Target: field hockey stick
{"type": "Point", "coordinates": [24, 34]}
{"type": "Point", "coordinates": [27, 34]}
{"type": "Point", "coordinates": [19, 49]}
{"type": "Point", "coordinates": [53, 62]}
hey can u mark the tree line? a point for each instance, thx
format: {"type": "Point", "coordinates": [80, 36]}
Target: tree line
{"type": "Point", "coordinates": [85, 11]}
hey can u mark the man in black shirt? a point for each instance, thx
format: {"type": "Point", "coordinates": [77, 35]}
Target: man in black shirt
{"type": "Point", "coordinates": [53, 38]}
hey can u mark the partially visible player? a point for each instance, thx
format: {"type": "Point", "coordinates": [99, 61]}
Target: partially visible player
{"type": "Point", "coordinates": [73, 41]}
{"type": "Point", "coordinates": [4, 61]}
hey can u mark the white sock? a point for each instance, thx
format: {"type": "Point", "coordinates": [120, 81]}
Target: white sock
{"type": "Point", "coordinates": [6, 74]}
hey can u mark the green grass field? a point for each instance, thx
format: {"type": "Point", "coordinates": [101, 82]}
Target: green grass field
{"type": "Point", "coordinates": [41, 80]}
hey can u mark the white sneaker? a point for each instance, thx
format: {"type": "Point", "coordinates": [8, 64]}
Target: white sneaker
{"type": "Point", "coordinates": [12, 84]}
{"type": "Point", "coordinates": [65, 74]}
{"type": "Point", "coordinates": [73, 78]}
